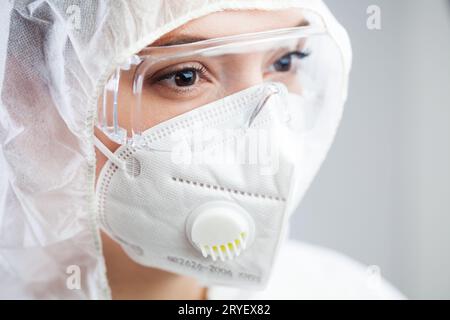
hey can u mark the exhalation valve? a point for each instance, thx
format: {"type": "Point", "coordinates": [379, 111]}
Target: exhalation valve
{"type": "Point", "coordinates": [220, 230]}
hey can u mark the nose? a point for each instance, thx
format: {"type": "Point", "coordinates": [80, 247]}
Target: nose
{"type": "Point", "coordinates": [242, 74]}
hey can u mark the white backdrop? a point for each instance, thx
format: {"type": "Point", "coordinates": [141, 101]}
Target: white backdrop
{"type": "Point", "coordinates": [383, 195]}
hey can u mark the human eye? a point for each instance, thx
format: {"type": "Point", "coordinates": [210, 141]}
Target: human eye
{"type": "Point", "coordinates": [286, 62]}
{"type": "Point", "coordinates": [181, 79]}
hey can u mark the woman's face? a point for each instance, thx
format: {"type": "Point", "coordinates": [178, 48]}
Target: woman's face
{"type": "Point", "coordinates": [170, 89]}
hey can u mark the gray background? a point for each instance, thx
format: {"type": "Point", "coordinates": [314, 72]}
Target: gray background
{"type": "Point", "coordinates": [383, 194]}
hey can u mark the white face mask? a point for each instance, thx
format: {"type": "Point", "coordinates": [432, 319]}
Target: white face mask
{"type": "Point", "coordinates": [211, 205]}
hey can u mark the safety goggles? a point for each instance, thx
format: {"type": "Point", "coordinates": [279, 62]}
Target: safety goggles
{"type": "Point", "coordinates": [162, 82]}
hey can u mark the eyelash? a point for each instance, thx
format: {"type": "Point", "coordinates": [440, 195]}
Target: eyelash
{"type": "Point", "coordinates": [301, 54]}
{"type": "Point", "coordinates": [201, 70]}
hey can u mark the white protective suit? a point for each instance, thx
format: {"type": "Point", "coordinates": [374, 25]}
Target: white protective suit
{"type": "Point", "coordinates": [55, 58]}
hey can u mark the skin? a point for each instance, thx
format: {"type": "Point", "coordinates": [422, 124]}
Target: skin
{"type": "Point", "coordinates": [127, 279]}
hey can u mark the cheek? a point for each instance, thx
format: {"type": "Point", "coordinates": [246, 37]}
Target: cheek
{"type": "Point", "coordinates": [157, 108]}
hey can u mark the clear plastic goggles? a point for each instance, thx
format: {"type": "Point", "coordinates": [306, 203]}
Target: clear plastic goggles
{"type": "Point", "coordinates": [160, 83]}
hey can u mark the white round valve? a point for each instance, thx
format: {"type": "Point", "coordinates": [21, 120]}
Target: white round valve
{"type": "Point", "coordinates": [220, 230]}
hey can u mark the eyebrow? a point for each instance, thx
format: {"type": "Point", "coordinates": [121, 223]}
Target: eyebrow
{"type": "Point", "coordinates": [169, 40]}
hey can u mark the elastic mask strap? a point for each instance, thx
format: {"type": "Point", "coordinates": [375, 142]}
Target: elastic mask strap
{"type": "Point", "coordinates": [111, 156]}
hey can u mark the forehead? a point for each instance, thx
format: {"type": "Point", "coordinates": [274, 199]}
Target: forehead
{"type": "Point", "coordinates": [227, 23]}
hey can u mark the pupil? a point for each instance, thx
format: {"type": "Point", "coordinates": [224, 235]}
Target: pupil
{"type": "Point", "coordinates": [283, 64]}
{"type": "Point", "coordinates": [185, 78]}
